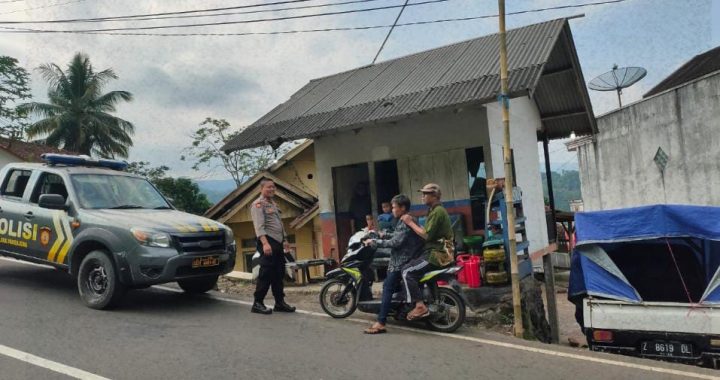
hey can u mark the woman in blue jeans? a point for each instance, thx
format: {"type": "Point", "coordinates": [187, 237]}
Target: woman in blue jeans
{"type": "Point", "coordinates": [405, 245]}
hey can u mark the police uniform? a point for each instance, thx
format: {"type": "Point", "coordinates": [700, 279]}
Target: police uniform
{"type": "Point", "coordinates": [267, 221]}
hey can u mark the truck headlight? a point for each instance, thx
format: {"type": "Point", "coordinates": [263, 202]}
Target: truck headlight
{"type": "Point", "coordinates": [229, 237]}
{"type": "Point", "coordinates": [151, 238]}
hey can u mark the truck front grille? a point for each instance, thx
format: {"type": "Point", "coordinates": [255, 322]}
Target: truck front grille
{"type": "Point", "coordinates": [200, 242]}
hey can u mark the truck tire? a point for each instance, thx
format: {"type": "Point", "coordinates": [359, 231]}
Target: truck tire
{"type": "Point", "coordinates": [198, 285]}
{"type": "Point", "coordinates": [98, 282]}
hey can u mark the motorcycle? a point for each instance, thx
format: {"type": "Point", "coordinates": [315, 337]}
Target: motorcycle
{"type": "Point", "coordinates": [347, 289]}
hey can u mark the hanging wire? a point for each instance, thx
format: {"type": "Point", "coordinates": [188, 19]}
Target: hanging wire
{"type": "Point", "coordinates": [390, 32]}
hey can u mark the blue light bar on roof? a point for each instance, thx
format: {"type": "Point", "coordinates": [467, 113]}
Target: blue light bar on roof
{"type": "Point", "coordinates": [67, 160]}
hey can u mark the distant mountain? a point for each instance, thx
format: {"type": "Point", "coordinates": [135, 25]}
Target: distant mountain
{"type": "Point", "coordinates": [566, 188]}
{"type": "Point", "coordinates": [216, 189]}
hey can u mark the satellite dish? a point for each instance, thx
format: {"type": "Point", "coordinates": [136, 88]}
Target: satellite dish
{"type": "Point", "coordinates": [617, 79]}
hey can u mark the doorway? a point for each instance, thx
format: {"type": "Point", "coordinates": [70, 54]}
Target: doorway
{"type": "Point", "coordinates": [351, 187]}
{"type": "Point", "coordinates": [386, 182]}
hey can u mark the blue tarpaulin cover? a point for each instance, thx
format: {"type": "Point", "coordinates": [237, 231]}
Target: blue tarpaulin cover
{"type": "Point", "coordinates": [694, 229]}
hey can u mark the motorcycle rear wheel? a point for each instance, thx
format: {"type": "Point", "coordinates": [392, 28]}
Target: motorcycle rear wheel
{"type": "Point", "coordinates": [332, 300]}
{"type": "Point", "coordinates": [454, 312]}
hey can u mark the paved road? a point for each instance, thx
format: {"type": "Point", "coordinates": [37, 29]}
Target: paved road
{"type": "Point", "coordinates": [160, 334]}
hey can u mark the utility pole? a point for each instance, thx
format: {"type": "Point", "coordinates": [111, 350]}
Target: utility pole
{"type": "Point", "coordinates": [509, 200]}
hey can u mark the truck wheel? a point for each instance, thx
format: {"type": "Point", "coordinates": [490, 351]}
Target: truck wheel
{"type": "Point", "coordinates": [198, 285]}
{"type": "Point", "coordinates": [98, 282]}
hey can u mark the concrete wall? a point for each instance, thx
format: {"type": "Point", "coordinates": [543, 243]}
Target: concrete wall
{"type": "Point", "coordinates": [427, 149]}
{"type": "Point", "coordinates": [618, 170]}
{"type": "Point", "coordinates": [524, 124]}
{"type": "Point", "coordinates": [431, 148]}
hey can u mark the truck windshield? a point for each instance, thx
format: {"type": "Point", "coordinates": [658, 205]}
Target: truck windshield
{"type": "Point", "coordinates": [98, 191]}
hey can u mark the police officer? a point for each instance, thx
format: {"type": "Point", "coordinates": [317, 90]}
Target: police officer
{"type": "Point", "coordinates": [272, 243]}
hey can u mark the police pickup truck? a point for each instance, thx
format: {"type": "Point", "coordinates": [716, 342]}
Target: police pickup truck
{"type": "Point", "coordinates": [110, 229]}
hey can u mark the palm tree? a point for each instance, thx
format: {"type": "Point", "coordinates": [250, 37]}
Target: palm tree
{"type": "Point", "coordinates": [78, 117]}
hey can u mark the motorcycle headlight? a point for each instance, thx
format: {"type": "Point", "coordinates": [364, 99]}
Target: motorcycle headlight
{"type": "Point", "coordinates": [151, 238]}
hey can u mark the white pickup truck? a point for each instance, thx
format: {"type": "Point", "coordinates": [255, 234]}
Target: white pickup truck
{"type": "Point", "coordinates": [646, 282]}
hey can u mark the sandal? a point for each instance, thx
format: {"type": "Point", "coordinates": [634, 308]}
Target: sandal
{"type": "Point", "coordinates": [414, 316]}
{"type": "Point", "coordinates": [372, 330]}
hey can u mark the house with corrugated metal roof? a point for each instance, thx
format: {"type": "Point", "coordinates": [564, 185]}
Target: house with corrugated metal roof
{"type": "Point", "coordinates": [664, 148]}
{"type": "Point", "coordinates": [391, 127]}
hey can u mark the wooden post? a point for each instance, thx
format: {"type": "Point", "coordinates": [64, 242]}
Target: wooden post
{"type": "Point", "coordinates": [509, 201]}
{"type": "Point", "coordinates": [547, 258]}
{"type": "Point", "coordinates": [551, 193]}
{"type": "Point", "coordinates": [550, 294]}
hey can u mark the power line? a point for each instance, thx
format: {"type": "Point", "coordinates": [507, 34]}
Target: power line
{"type": "Point", "coordinates": [317, 30]}
{"type": "Point", "coordinates": [43, 7]}
{"type": "Point", "coordinates": [143, 18]}
{"type": "Point", "coordinates": [238, 22]}
{"type": "Point", "coordinates": [390, 32]}
{"type": "Point", "coordinates": [174, 12]}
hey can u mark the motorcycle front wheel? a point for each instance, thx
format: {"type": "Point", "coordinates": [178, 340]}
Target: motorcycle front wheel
{"type": "Point", "coordinates": [338, 298]}
{"type": "Point", "coordinates": [453, 315]}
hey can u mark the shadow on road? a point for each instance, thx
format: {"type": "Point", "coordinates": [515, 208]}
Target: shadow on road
{"type": "Point", "coordinates": [60, 285]}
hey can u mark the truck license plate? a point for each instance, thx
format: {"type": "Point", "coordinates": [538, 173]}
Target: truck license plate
{"type": "Point", "coordinates": [667, 349]}
{"type": "Point", "coordinates": [206, 261]}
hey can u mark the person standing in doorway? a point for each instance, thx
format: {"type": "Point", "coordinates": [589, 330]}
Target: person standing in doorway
{"type": "Point", "coordinates": [386, 220]}
{"type": "Point", "coordinates": [272, 243]}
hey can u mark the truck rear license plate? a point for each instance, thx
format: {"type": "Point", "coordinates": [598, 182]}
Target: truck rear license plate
{"type": "Point", "coordinates": [667, 349]}
{"type": "Point", "coordinates": [206, 261]}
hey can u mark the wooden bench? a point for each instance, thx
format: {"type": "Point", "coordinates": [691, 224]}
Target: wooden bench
{"type": "Point", "coordinates": [302, 269]}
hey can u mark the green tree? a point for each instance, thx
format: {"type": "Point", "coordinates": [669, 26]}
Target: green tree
{"type": "Point", "coordinates": [14, 87]}
{"type": "Point", "coordinates": [185, 194]}
{"type": "Point", "coordinates": [143, 169]}
{"type": "Point", "coordinates": [566, 188]}
{"type": "Point", "coordinates": [206, 150]}
{"type": "Point", "coordinates": [79, 116]}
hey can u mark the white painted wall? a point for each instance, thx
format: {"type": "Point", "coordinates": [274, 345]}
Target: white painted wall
{"type": "Point", "coordinates": [618, 169]}
{"type": "Point", "coordinates": [6, 158]}
{"type": "Point", "coordinates": [524, 124]}
{"type": "Point", "coordinates": [429, 148]}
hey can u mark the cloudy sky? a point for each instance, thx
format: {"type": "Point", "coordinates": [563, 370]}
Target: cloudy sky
{"type": "Point", "coordinates": [178, 81]}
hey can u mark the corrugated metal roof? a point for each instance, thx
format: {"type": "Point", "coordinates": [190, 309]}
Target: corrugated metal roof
{"type": "Point", "coordinates": [457, 74]}
{"type": "Point", "coordinates": [700, 65]}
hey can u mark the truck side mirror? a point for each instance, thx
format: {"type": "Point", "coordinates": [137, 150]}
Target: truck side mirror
{"type": "Point", "coordinates": [52, 202]}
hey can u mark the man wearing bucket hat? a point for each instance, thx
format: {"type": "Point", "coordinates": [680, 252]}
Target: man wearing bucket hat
{"type": "Point", "coordinates": [437, 231]}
